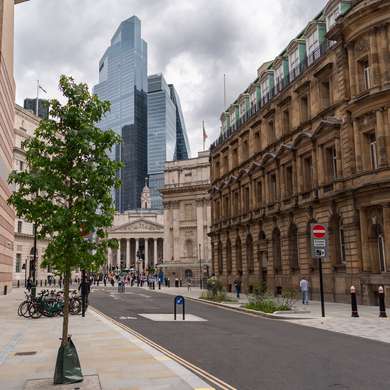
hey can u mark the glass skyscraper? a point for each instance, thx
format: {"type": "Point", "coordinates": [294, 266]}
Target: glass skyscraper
{"type": "Point", "coordinates": [167, 138]}
{"type": "Point", "coordinates": [123, 81]}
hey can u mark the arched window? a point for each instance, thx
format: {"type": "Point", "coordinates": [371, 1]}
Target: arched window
{"type": "Point", "coordinates": [188, 274]}
{"type": "Point", "coordinates": [249, 254]}
{"type": "Point", "coordinates": [189, 248]}
{"type": "Point", "coordinates": [220, 258]}
{"type": "Point", "coordinates": [238, 255]}
{"type": "Point", "coordinates": [293, 247]}
{"type": "Point", "coordinates": [276, 251]}
{"type": "Point", "coordinates": [229, 266]}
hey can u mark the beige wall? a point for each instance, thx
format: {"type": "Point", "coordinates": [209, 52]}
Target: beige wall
{"type": "Point", "coordinates": [7, 98]}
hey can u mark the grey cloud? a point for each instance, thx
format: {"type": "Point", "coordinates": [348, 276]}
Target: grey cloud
{"type": "Point", "coordinates": [194, 42]}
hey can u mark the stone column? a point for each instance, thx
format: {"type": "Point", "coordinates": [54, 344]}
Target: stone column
{"type": "Point", "coordinates": [136, 258]}
{"type": "Point", "coordinates": [320, 162]}
{"type": "Point", "coordinates": [120, 253]}
{"type": "Point", "coordinates": [374, 60]}
{"type": "Point", "coordinates": [352, 71]}
{"type": "Point", "coordinates": [358, 151]}
{"type": "Point", "coordinates": [380, 133]}
{"type": "Point", "coordinates": [338, 158]}
{"type": "Point", "coordinates": [128, 253]}
{"type": "Point", "coordinates": [314, 165]}
{"type": "Point", "coordinates": [146, 253]}
{"type": "Point", "coordinates": [386, 117]}
{"type": "Point", "coordinates": [383, 53]}
{"type": "Point", "coordinates": [109, 257]}
{"type": "Point", "coordinates": [155, 258]}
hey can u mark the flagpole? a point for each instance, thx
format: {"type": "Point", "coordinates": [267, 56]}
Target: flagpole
{"type": "Point", "coordinates": [36, 103]}
{"type": "Point", "coordinates": [204, 141]}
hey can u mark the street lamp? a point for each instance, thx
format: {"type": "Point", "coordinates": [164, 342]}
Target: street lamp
{"type": "Point", "coordinates": [200, 267]}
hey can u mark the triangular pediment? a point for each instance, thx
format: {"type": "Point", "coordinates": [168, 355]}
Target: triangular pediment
{"type": "Point", "coordinates": [140, 225]}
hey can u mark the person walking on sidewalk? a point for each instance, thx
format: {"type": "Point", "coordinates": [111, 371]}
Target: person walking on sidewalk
{"type": "Point", "coordinates": [237, 286]}
{"type": "Point", "coordinates": [304, 286]}
{"type": "Point", "coordinates": [188, 285]}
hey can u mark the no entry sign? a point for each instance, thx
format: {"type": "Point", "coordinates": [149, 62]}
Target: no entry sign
{"type": "Point", "coordinates": [319, 231]}
{"type": "Point", "coordinates": [319, 240]}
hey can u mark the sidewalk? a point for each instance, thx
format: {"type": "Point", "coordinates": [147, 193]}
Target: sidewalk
{"type": "Point", "coordinates": [108, 354]}
{"type": "Point", "coordinates": [337, 315]}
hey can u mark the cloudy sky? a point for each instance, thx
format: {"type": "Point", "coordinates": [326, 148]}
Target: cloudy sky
{"type": "Point", "coordinates": [192, 42]}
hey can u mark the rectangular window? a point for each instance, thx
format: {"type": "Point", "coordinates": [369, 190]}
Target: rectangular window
{"type": "Point", "coordinates": [236, 210]}
{"type": "Point", "coordinates": [259, 194]}
{"type": "Point", "coordinates": [342, 246]}
{"type": "Point", "coordinates": [312, 47]}
{"type": "Point", "coordinates": [373, 152]}
{"type": "Point", "coordinates": [226, 212]}
{"type": "Point", "coordinates": [265, 91]}
{"type": "Point", "coordinates": [304, 108]}
{"type": "Point", "coordinates": [242, 108]}
{"type": "Point", "coordinates": [279, 75]}
{"type": "Point", "coordinates": [257, 141]}
{"type": "Point", "coordinates": [253, 99]}
{"type": "Point", "coordinates": [325, 94]}
{"type": "Point", "coordinates": [286, 121]}
{"type": "Point", "coordinates": [18, 263]}
{"type": "Point", "coordinates": [226, 163]}
{"type": "Point", "coordinates": [245, 150]}
{"type": "Point", "coordinates": [246, 199]}
{"type": "Point", "coordinates": [217, 169]}
{"type": "Point", "coordinates": [271, 132]}
{"type": "Point", "coordinates": [235, 158]}
{"type": "Point", "coordinates": [364, 74]}
{"type": "Point", "coordinates": [289, 180]}
{"type": "Point", "coordinates": [308, 174]}
{"type": "Point", "coordinates": [331, 163]}
{"type": "Point", "coordinates": [272, 188]}
{"type": "Point", "coordinates": [19, 226]}
{"type": "Point", "coordinates": [332, 16]}
{"type": "Point", "coordinates": [293, 60]}
{"type": "Point", "coordinates": [21, 166]}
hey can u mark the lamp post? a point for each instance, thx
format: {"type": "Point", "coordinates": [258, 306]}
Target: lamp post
{"type": "Point", "coordinates": [200, 267]}
{"type": "Point", "coordinates": [34, 262]}
{"type": "Point", "coordinates": [25, 272]}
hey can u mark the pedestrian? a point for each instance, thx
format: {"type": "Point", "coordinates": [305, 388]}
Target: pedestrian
{"type": "Point", "coordinates": [304, 286]}
{"type": "Point", "coordinates": [188, 285]}
{"type": "Point", "coordinates": [237, 286]}
{"type": "Point", "coordinates": [29, 285]}
{"type": "Point", "coordinates": [112, 282]}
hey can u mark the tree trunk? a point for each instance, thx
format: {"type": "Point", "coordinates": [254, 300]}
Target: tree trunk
{"type": "Point", "coordinates": [65, 323]}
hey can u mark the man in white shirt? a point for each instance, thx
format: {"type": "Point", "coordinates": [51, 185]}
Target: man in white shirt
{"type": "Point", "coordinates": [304, 285]}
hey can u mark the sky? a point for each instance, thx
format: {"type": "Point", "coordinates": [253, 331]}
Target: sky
{"type": "Point", "coordinates": [192, 42]}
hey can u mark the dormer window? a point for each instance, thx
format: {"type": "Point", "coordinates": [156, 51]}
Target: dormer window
{"type": "Point", "coordinates": [253, 99]}
{"type": "Point", "coordinates": [312, 47]}
{"type": "Point", "coordinates": [279, 75]}
{"type": "Point", "coordinates": [293, 60]}
{"type": "Point", "coordinates": [232, 117]}
{"type": "Point", "coordinates": [332, 16]}
{"type": "Point", "coordinates": [265, 91]}
{"type": "Point", "coordinates": [242, 108]}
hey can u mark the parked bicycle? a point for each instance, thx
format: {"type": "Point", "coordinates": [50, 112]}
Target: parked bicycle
{"type": "Point", "coordinates": [49, 303]}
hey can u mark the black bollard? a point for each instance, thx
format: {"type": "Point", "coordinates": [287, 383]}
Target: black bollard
{"type": "Point", "coordinates": [382, 306]}
{"type": "Point", "coordinates": [353, 302]}
{"type": "Point", "coordinates": [18, 283]}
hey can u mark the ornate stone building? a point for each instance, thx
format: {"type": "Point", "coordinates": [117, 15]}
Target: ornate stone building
{"type": "Point", "coordinates": [25, 124]}
{"type": "Point", "coordinates": [187, 217]}
{"type": "Point", "coordinates": [309, 141]}
{"type": "Point", "coordinates": [140, 235]}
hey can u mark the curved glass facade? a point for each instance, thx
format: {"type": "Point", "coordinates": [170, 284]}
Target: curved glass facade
{"type": "Point", "coordinates": [123, 81]}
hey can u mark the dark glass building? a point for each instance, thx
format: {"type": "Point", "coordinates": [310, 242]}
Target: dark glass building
{"type": "Point", "coordinates": [167, 137]}
{"type": "Point", "coordinates": [43, 107]}
{"type": "Point", "coordinates": [123, 81]}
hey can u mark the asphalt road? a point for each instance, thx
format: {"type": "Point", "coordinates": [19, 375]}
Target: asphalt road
{"type": "Point", "coordinates": [254, 353]}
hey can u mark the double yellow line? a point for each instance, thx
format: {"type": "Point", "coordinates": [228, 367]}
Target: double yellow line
{"type": "Point", "coordinates": [198, 371]}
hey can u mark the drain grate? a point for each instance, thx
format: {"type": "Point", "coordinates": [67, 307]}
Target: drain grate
{"type": "Point", "coordinates": [25, 353]}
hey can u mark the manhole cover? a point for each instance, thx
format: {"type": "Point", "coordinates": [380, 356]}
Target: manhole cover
{"type": "Point", "coordinates": [25, 353]}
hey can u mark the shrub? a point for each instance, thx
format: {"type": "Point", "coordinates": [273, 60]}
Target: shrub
{"type": "Point", "coordinates": [262, 301]}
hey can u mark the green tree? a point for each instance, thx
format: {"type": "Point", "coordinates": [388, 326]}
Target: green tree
{"type": "Point", "coordinates": [67, 188]}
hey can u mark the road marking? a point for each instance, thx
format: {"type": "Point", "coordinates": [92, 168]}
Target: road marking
{"type": "Point", "coordinates": [170, 317]}
{"type": "Point", "coordinates": [197, 370]}
{"type": "Point", "coordinates": [127, 318]}
{"type": "Point", "coordinates": [143, 295]}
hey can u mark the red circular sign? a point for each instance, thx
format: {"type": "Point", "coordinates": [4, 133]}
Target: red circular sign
{"type": "Point", "coordinates": [319, 231]}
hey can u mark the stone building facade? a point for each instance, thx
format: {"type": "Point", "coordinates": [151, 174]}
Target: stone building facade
{"type": "Point", "coordinates": [7, 115]}
{"type": "Point", "coordinates": [140, 235]}
{"type": "Point", "coordinates": [187, 218]}
{"type": "Point", "coordinates": [25, 124]}
{"type": "Point", "coordinates": [309, 141]}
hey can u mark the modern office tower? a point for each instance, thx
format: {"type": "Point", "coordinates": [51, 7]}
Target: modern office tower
{"type": "Point", "coordinates": [161, 134]}
{"type": "Point", "coordinates": [123, 81]}
{"type": "Point", "coordinates": [43, 107]}
{"type": "Point", "coordinates": [182, 151]}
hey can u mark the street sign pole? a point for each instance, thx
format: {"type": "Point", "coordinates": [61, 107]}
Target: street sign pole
{"type": "Point", "coordinates": [321, 287]}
